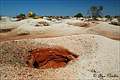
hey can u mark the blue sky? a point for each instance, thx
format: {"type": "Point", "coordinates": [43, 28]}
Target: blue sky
{"type": "Point", "coordinates": [57, 7]}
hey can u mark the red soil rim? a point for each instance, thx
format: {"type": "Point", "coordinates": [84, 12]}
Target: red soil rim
{"type": "Point", "coordinates": [50, 57]}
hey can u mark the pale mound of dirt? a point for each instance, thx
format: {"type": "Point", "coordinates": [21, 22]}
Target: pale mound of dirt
{"type": "Point", "coordinates": [105, 29]}
{"type": "Point", "coordinates": [8, 25]}
{"type": "Point", "coordinates": [50, 57]}
{"type": "Point", "coordinates": [80, 24]}
{"type": "Point", "coordinates": [99, 58]}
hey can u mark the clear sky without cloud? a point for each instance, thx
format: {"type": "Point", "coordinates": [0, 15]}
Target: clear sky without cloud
{"type": "Point", "coordinates": [57, 7]}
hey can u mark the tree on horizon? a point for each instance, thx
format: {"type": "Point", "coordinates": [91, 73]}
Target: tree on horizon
{"type": "Point", "coordinates": [78, 15]}
{"type": "Point", "coordinates": [31, 14]}
{"type": "Point", "coordinates": [96, 11]}
{"type": "Point", "coordinates": [21, 16]}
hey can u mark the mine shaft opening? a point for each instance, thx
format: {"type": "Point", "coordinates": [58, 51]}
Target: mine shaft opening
{"type": "Point", "coordinates": [49, 57]}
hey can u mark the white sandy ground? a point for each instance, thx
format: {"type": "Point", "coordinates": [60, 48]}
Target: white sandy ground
{"type": "Point", "coordinates": [55, 29]}
{"type": "Point", "coordinates": [15, 24]}
{"type": "Point", "coordinates": [98, 55]}
{"type": "Point", "coordinates": [28, 27]}
{"type": "Point", "coordinates": [8, 25]}
{"type": "Point", "coordinates": [98, 59]}
{"type": "Point", "coordinates": [105, 29]}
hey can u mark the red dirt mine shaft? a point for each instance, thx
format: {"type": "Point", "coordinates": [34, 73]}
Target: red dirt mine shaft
{"type": "Point", "coordinates": [49, 57]}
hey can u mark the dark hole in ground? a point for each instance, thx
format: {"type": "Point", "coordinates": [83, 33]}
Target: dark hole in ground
{"type": "Point", "coordinates": [5, 30]}
{"type": "Point", "coordinates": [35, 64]}
{"type": "Point", "coordinates": [21, 34]}
{"type": "Point", "coordinates": [49, 57]}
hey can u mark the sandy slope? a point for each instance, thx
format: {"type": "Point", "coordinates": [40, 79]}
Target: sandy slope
{"type": "Point", "coordinates": [105, 29]}
{"type": "Point", "coordinates": [98, 55]}
{"type": "Point", "coordinates": [98, 58]}
{"type": "Point", "coordinates": [27, 29]}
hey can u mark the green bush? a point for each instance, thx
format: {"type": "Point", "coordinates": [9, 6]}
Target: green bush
{"type": "Point", "coordinates": [108, 16]}
{"type": "Point", "coordinates": [78, 15]}
{"type": "Point", "coordinates": [21, 16]}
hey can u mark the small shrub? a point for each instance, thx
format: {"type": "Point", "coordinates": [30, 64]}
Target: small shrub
{"type": "Point", "coordinates": [78, 15]}
{"type": "Point", "coordinates": [21, 16]}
